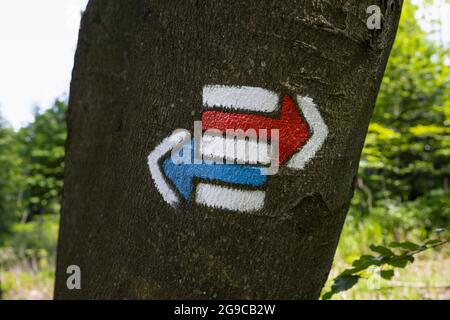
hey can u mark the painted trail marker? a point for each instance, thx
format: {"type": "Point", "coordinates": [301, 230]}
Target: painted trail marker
{"type": "Point", "coordinates": [183, 174]}
{"type": "Point", "coordinates": [293, 133]}
{"type": "Point", "coordinates": [231, 171]}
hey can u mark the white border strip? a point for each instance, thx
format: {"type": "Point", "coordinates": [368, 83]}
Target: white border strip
{"type": "Point", "coordinates": [240, 98]}
{"type": "Point", "coordinates": [229, 199]}
{"type": "Point", "coordinates": [319, 134]}
{"type": "Point", "coordinates": [166, 145]}
{"type": "Point", "coordinates": [239, 150]}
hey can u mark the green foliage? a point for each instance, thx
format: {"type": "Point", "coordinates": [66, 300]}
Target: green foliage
{"type": "Point", "coordinates": [418, 217]}
{"type": "Point", "coordinates": [407, 151]}
{"type": "Point", "coordinates": [31, 169]}
{"type": "Point", "coordinates": [31, 180]}
{"type": "Point", "coordinates": [11, 180]}
{"type": "Point", "coordinates": [43, 145]}
{"type": "Point", "coordinates": [37, 237]}
{"type": "Point", "coordinates": [396, 255]}
{"type": "Point", "coordinates": [402, 190]}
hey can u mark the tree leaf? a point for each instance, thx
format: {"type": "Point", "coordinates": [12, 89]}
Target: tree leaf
{"type": "Point", "coordinates": [432, 242]}
{"type": "Point", "coordinates": [400, 263]}
{"type": "Point", "coordinates": [352, 271]}
{"type": "Point", "coordinates": [387, 274]}
{"type": "Point", "coordinates": [328, 295]}
{"type": "Point", "coordinates": [364, 261]}
{"type": "Point", "coordinates": [405, 245]}
{"type": "Point", "coordinates": [386, 252]}
{"type": "Point", "coordinates": [344, 283]}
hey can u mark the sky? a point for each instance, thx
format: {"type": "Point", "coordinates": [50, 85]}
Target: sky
{"type": "Point", "coordinates": [37, 44]}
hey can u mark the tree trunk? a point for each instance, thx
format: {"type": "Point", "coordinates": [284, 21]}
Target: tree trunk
{"type": "Point", "coordinates": [142, 70]}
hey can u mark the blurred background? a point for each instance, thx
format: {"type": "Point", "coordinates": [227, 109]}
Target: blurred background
{"type": "Point", "coordinates": [402, 192]}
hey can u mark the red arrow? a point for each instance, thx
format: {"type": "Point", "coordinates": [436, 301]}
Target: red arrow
{"type": "Point", "coordinates": [293, 131]}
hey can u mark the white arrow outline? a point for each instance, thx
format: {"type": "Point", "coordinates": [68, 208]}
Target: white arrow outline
{"type": "Point", "coordinates": [209, 195]}
{"type": "Point", "coordinates": [160, 151]}
{"type": "Point", "coordinates": [319, 134]}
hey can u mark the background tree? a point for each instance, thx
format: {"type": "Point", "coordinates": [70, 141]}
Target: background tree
{"type": "Point", "coordinates": [406, 157]}
{"type": "Point", "coordinates": [10, 181]}
{"type": "Point", "coordinates": [42, 153]}
{"type": "Point", "coordinates": [31, 170]}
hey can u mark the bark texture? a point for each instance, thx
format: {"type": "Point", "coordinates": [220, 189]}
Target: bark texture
{"type": "Point", "coordinates": [139, 72]}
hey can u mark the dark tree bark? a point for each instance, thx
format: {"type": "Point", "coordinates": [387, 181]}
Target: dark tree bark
{"type": "Point", "coordinates": [139, 72]}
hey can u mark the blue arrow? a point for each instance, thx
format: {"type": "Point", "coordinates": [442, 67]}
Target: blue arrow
{"type": "Point", "coordinates": [182, 175]}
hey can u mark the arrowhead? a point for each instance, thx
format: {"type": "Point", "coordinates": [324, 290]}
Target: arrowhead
{"type": "Point", "coordinates": [181, 172]}
{"type": "Point", "coordinates": [293, 131]}
{"type": "Point", "coordinates": [181, 176]}
{"type": "Point", "coordinates": [154, 159]}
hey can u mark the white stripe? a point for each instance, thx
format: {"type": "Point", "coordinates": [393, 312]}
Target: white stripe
{"type": "Point", "coordinates": [237, 150]}
{"type": "Point", "coordinates": [241, 98]}
{"type": "Point", "coordinates": [229, 199]}
{"type": "Point", "coordinates": [168, 144]}
{"type": "Point", "coordinates": [319, 134]}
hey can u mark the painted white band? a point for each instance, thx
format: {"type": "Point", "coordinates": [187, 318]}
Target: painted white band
{"type": "Point", "coordinates": [153, 162]}
{"type": "Point", "coordinates": [239, 150]}
{"type": "Point", "coordinates": [229, 199]}
{"type": "Point", "coordinates": [240, 98]}
{"type": "Point", "coordinates": [319, 134]}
